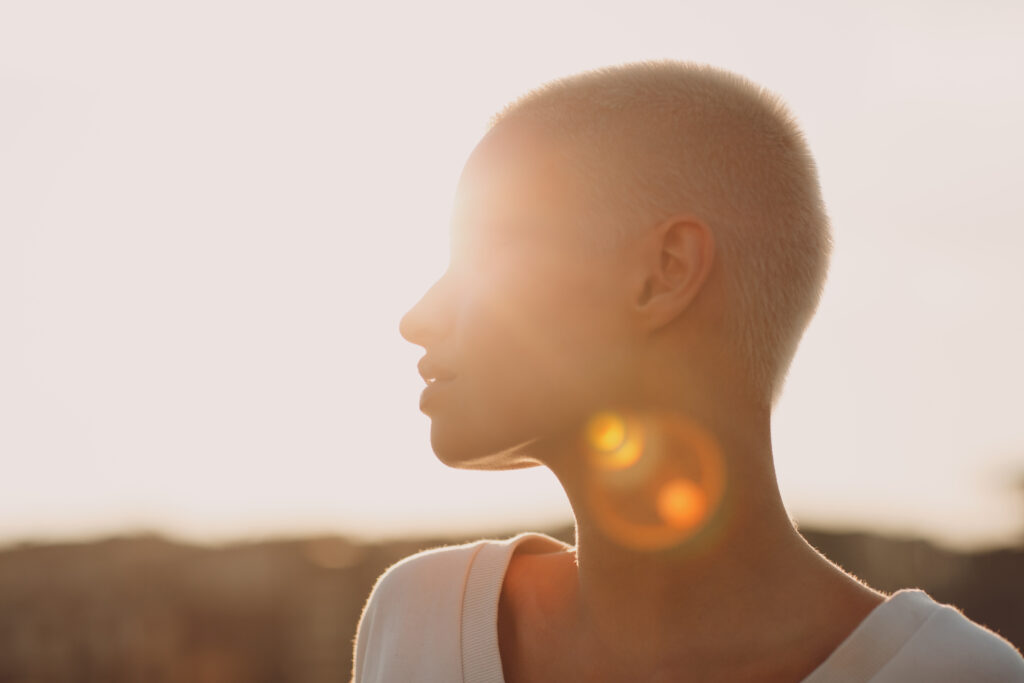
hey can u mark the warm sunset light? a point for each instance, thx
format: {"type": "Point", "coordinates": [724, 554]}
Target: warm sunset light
{"type": "Point", "coordinates": [219, 429]}
{"type": "Point", "coordinates": [214, 215]}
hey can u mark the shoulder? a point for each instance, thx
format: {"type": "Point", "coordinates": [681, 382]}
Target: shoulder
{"type": "Point", "coordinates": [950, 647]}
{"type": "Point", "coordinates": [409, 627]}
{"type": "Point", "coordinates": [425, 568]}
{"type": "Point", "coordinates": [412, 624]}
{"type": "Point", "coordinates": [429, 581]}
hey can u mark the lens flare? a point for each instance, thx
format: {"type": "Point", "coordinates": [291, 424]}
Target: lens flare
{"type": "Point", "coordinates": [655, 480]}
{"type": "Point", "coordinates": [682, 503]}
{"type": "Point", "coordinates": [613, 443]}
{"type": "Point", "coordinates": [606, 431]}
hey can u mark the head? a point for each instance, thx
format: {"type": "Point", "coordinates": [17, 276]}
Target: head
{"type": "Point", "coordinates": [639, 234]}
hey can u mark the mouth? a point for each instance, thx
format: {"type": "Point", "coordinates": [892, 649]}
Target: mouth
{"type": "Point", "coordinates": [432, 373]}
{"type": "Point", "coordinates": [434, 385]}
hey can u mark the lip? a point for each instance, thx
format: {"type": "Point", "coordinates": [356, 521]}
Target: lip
{"type": "Point", "coordinates": [429, 370]}
{"type": "Point", "coordinates": [432, 390]}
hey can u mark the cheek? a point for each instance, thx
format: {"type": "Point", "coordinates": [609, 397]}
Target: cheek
{"type": "Point", "coordinates": [538, 342]}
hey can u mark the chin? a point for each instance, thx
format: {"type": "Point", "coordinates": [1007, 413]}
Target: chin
{"type": "Point", "coordinates": [463, 454]}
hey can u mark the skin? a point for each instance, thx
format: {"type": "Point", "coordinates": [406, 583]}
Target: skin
{"type": "Point", "coordinates": [541, 334]}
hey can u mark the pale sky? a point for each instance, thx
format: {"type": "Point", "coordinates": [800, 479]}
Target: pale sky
{"type": "Point", "coordinates": [213, 215]}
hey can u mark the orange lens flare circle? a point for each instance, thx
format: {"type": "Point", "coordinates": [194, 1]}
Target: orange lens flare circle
{"type": "Point", "coordinates": [682, 503]}
{"type": "Point", "coordinates": [614, 441]}
{"type": "Point", "coordinates": [655, 480]}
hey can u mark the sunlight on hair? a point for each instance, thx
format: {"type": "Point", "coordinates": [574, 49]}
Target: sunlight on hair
{"type": "Point", "coordinates": [655, 481]}
{"type": "Point", "coordinates": [737, 159]}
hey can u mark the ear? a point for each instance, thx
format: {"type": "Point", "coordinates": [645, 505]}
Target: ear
{"type": "Point", "coordinates": [676, 259]}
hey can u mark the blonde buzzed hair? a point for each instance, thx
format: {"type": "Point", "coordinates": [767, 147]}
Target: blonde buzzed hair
{"type": "Point", "coordinates": [653, 139]}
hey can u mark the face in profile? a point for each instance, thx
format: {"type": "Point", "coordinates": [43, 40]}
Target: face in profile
{"type": "Point", "coordinates": [527, 325]}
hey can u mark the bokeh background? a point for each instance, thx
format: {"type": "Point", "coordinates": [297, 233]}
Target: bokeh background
{"type": "Point", "coordinates": [213, 215]}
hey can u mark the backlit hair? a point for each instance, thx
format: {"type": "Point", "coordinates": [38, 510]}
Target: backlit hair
{"type": "Point", "coordinates": [655, 139]}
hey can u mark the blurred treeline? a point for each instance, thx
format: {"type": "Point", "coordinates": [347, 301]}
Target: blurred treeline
{"type": "Point", "coordinates": [154, 610]}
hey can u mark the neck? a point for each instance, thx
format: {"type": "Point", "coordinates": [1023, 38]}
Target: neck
{"type": "Point", "coordinates": [699, 579]}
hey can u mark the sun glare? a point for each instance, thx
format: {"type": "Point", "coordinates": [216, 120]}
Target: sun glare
{"type": "Point", "coordinates": [614, 444]}
{"type": "Point", "coordinates": [655, 480]}
{"type": "Point", "coordinates": [682, 503]}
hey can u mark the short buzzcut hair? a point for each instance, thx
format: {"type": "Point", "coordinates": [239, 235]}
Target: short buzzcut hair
{"type": "Point", "coordinates": [656, 138]}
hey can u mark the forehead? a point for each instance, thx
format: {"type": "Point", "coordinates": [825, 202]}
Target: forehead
{"type": "Point", "coordinates": [520, 183]}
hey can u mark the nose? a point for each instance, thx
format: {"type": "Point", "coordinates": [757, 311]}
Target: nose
{"type": "Point", "coordinates": [427, 321]}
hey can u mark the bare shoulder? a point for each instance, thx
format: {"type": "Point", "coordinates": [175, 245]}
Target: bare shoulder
{"type": "Point", "coordinates": [544, 579]}
{"type": "Point", "coordinates": [533, 621]}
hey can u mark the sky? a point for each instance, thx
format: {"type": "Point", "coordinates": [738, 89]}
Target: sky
{"type": "Point", "coordinates": [213, 215]}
